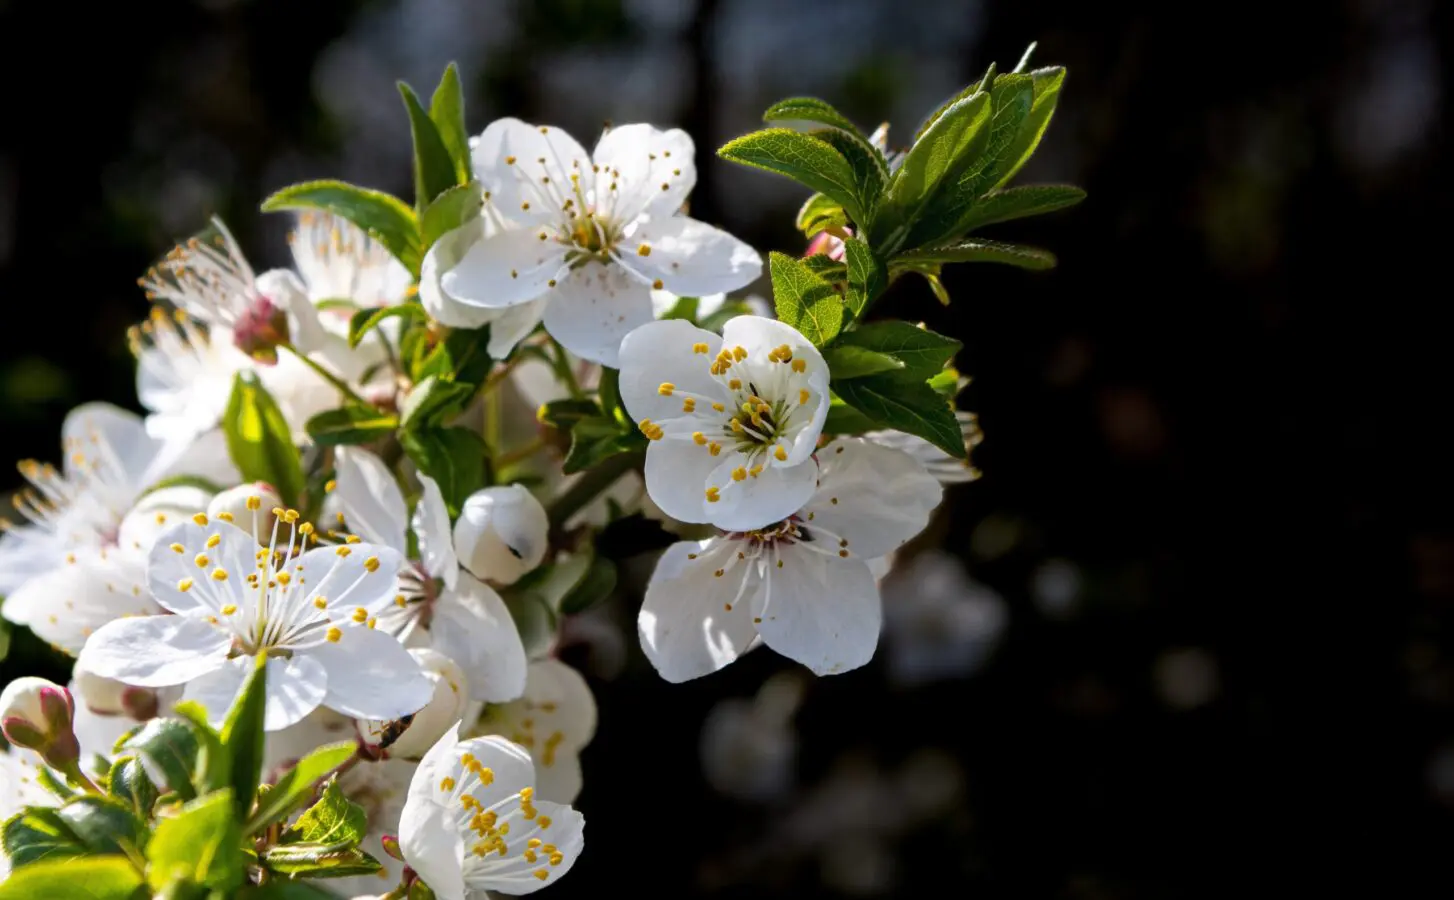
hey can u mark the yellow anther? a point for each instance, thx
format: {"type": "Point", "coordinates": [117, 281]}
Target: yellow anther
{"type": "Point", "coordinates": [284, 578]}
{"type": "Point", "coordinates": [372, 564]}
{"type": "Point", "coordinates": [843, 553]}
{"type": "Point", "coordinates": [749, 407]}
{"type": "Point", "coordinates": [329, 485]}
{"type": "Point", "coordinates": [542, 874]}
{"type": "Point", "coordinates": [306, 529]}
{"type": "Point", "coordinates": [737, 425]}
{"type": "Point", "coordinates": [701, 348]}
{"type": "Point", "coordinates": [780, 454]}
{"type": "Point", "coordinates": [689, 405]}
{"type": "Point", "coordinates": [784, 353]}
{"type": "Point", "coordinates": [400, 601]}
{"type": "Point", "coordinates": [713, 494]}
{"type": "Point", "coordinates": [352, 539]}
{"type": "Point", "coordinates": [803, 396]}
{"type": "Point", "coordinates": [290, 516]}
{"type": "Point", "coordinates": [373, 623]}
{"type": "Point", "coordinates": [666, 388]}
{"type": "Point", "coordinates": [699, 439]}
{"type": "Point", "coordinates": [254, 502]}
{"type": "Point", "coordinates": [360, 614]}
{"type": "Point", "coordinates": [201, 560]}
{"type": "Point", "coordinates": [184, 585]}
{"type": "Point", "coordinates": [229, 609]}
{"type": "Point", "coordinates": [224, 516]}
{"type": "Point", "coordinates": [735, 384]}
{"type": "Point", "coordinates": [178, 548]}
{"type": "Point", "coordinates": [320, 602]}
{"type": "Point", "coordinates": [800, 365]}
{"type": "Point", "coordinates": [756, 471]}
{"type": "Point", "coordinates": [643, 250]}
{"type": "Point", "coordinates": [529, 856]}
{"type": "Point", "coordinates": [739, 474]}
{"type": "Point", "coordinates": [446, 783]}
{"type": "Point", "coordinates": [714, 448]}
{"type": "Point", "coordinates": [343, 551]}
{"type": "Point", "coordinates": [739, 352]}
{"type": "Point", "coordinates": [219, 574]}
{"type": "Point", "coordinates": [213, 541]}
{"type": "Point", "coordinates": [335, 634]}
{"type": "Point", "coordinates": [533, 843]}
{"type": "Point", "coordinates": [557, 858]}
{"type": "Point", "coordinates": [544, 821]}
{"type": "Point", "coordinates": [200, 518]}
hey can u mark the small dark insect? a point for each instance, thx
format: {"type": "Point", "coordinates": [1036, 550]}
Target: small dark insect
{"type": "Point", "coordinates": [393, 730]}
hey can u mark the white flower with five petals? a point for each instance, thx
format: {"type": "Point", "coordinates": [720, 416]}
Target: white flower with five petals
{"type": "Point", "coordinates": [472, 823]}
{"type": "Point", "coordinates": [313, 612]}
{"type": "Point", "coordinates": [580, 240]}
{"type": "Point", "coordinates": [733, 419]}
{"type": "Point", "coordinates": [554, 720]}
{"type": "Point", "coordinates": [464, 617]}
{"type": "Point", "coordinates": [803, 584]}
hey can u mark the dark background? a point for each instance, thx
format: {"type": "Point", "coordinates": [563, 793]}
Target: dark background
{"type": "Point", "coordinates": [1220, 414]}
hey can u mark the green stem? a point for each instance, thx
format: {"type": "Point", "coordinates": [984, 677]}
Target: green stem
{"type": "Point", "coordinates": [591, 485]}
{"type": "Point", "coordinates": [76, 776]}
{"type": "Point", "coordinates": [327, 375]}
{"type": "Point", "coordinates": [561, 364]}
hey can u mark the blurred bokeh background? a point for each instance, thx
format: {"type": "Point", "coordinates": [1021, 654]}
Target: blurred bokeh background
{"type": "Point", "coordinates": [1192, 632]}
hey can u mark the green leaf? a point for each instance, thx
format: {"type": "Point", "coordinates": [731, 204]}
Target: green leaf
{"type": "Point", "coordinates": [286, 890]}
{"type": "Point", "coordinates": [804, 158]}
{"type": "Point", "coordinates": [172, 749]}
{"type": "Point", "coordinates": [94, 878]}
{"type": "Point", "coordinates": [453, 457]}
{"type": "Point", "coordinates": [684, 308]}
{"type": "Point", "coordinates": [433, 401]}
{"type": "Point", "coordinates": [297, 783]}
{"type": "Point", "coordinates": [946, 383]}
{"type": "Point", "coordinates": [450, 210]}
{"type": "Point", "coordinates": [952, 142]}
{"type": "Point", "coordinates": [366, 320]}
{"type": "Point", "coordinates": [1046, 90]}
{"type": "Point", "coordinates": [319, 861]}
{"type": "Point", "coordinates": [202, 845]}
{"type": "Point", "coordinates": [598, 438]}
{"type": "Point", "coordinates": [866, 276]}
{"type": "Point", "coordinates": [352, 424]}
{"type": "Point", "coordinates": [259, 440]}
{"type": "Point", "coordinates": [104, 825]}
{"type": "Point", "coordinates": [903, 401]}
{"type": "Point", "coordinates": [922, 352]}
{"type": "Point", "coordinates": [446, 110]}
{"type": "Point", "coordinates": [385, 217]}
{"type": "Point", "coordinates": [195, 481]}
{"type": "Point", "coordinates": [818, 212]}
{"type": "Point", "coordinates": [844, 419]}
{"type": "Point", "coordinates": [809, 109]}
{"type": "Point", "coordinates": [434, 167]}
{"type": "Point", "coordinates": [830, 270]}
{"type": "Point", "coordinates": [805, 301]}
{"type": "Point", "coordinates": [870, 171]}
{"type": "Point", "coordinates": [213, 770]}
{"type": "Point", "coordinates": [38, 834]}
{"type": "Point", "coordinates": [595, 585]}
{"type": "Point", "coordinates": [463, 355]}
{"type": "Point", "coordinates": [130, 783]}
{"type": "Point", "coordinates": [847, 361]}
{"type": "Point", "coordinates": [333, 821]}
{"type": "Point", "coordinates": [1019, 202]}
{"type": "Point", "coordinates": [563, 414]}
{"type": "Point", "coordinates": [242, 737]}
{"type": "Point", "coordinates": [979, 250]}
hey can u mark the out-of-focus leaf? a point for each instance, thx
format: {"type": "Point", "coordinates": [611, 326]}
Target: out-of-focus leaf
{"type": "Point", "coordinates": [259, 439]}
{"type": "Point", "coordinates": [385, 217]}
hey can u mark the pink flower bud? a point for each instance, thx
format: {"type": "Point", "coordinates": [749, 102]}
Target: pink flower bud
{"type": "Point", "coordinates": [37, 714]}
{"type": "Point", "coordinates": [391, 847]}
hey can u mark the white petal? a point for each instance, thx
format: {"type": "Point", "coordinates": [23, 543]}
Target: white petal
{"type": "Point", "coordinates": [511, 157]}
{"type": "Point", "coordinates": [372, 676]}
{"type": "Point", "coordinates": [100, 430]}
{"type": "Point", "coordinates": [432, 845]}
{"type": "Point", "coordinates": [287, 292]}
{"type": "Point", "coordinates": [663, 353]}
{"type": "Point", "coordinates": [506, 269]}
{"type": "Point", "coordinates": [691, 258]}
{"type": "Point", "coordinates": [875, 497]}
{"type": "Point", "coordinates": [25, 552]}
{"type": "Point", "coordinates": [431, 529]}
{"type": "Point", "coordinates": [170, 569]}
{"type": "Point", "coordinates": [203, 455]}
{"type": "Point", "coordinates": [592, 310]}
{"type": "Point", "coordinates": [676, 479]}
{"type": "Point", "coordinates": [158, 511]}
{"type": "Point", "coordinates": [472, 626]}
{"type": "Point", "coordinates": [511, 326]}
{"type": "Point", "coordinates": [654, 170]}
{"type": "Point", "coordinates": [685, 626]}
{"type": "Point", "coordinates": [79, 598]}
{"type": "Point", "coordinates": [155, 651]}
{"type": "Point", "coordinates": [515, 873]}
{"type": "Point", "coordinates": [821, 610]}
{"type": "Point", "coordinates": [369, 498]}
{"type": "Point", "coordinates": [559, 779]}
{"type": "Point", "coordinates": [443, 256]}
{"type": "Point", "coordinates": [572, 706]}
{"type": "Point", "coordinates": [295, 688]}
{"type": "Point", "coordinates": [501, 533]}
{"type": "Point", "coordinates": [758, 335]}
{"type": "Point", "coordinates": [439, 715]}
{"type": "Point", "coordinates": [771, 496]}
{"type": "Point", "coordinates": [348, 581]}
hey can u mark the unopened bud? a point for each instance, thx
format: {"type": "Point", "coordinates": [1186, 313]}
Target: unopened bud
{"type": "Point", "coordinates": [501, 533]}
{"type": "Point", "coordinates": [391, 847]}
{"type": "Point", "coordinates": [412, 738]}
{"type": "Point", "coordinates": [37, 714]}
{"type": "Point", "coordinates": [247, 504]}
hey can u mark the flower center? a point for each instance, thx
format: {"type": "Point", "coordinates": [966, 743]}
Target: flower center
{"type": "Point", "coordinates": [260, 328]}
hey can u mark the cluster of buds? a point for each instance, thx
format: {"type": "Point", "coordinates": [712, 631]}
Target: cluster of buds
{"type": "Point", "coordinates": [37, 714]}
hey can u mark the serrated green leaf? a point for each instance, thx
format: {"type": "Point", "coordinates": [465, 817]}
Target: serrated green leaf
{"type": "Point", "coordinates": [432, 402]}
{"type": "Point", "coordinates": [259, 439]}
{"type": "Point", "coordinates": [352, 424]}
{"type": "Point", "coordinates": [296, 785]}
{"type": "Point", "coordinates": [453, 457]}
{"type": "Point", "coordinates": [846, 361]}
{"type": "Point", "coordinates": [93, 878]}
{"type": "Point", "coordinates": [434, 167]}
{"type": "Point", "coordinates": [809, 109]}
{"type": "Point", "coordinates": [804, 158]}
{"type": "Point", "coordinates": [980, 250]}
{"type": "Point", "coordinates": [446, 110]}
{"type": "Point", "coordinates": [805, 301]}
{"type": "Point", "coordinates": [333, 821]}
{"type": "Point", "coordinates": [1046, 91]}
{"type": "Point", "coordinates": [172, 749]}
{"type": "Point", "coordinates": [366, 320]}
{"type": "Point", "coordinates": [954, 142]}
{"type": "Point", "coordinates": [385, 217]}
{"type": "Point", "coordinates": [201, 844]}
{"type": "Point", "coordinates": [449, 211]}
{"type": "Point", "coordinates": [870, 170]}
{"type": "Point", "coordinates": [129, 782]}
{"type": "Point", "coordinates": [242, 737]}
{"type": "Point", "coordinates": [923, 352]}
{"type": "Point", "coordinates": [39, 834]}
{"type": "Point", "coordinates": [903, 401]}
{"type": "Point", "coordinates": [103, 825]}
{"type": "Point", "coordinates": [825, 267]}
{"type": "Point", "coordinates": [598, 582]}
{"type": "Point", "coordinates": [319, 861]}
{"type": "Point", "coordinates": [867, 278]}
{"type": "Point", "coordinates": [1020, 202]}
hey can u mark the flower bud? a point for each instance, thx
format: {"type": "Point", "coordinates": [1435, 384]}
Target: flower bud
{"type": "Point", "coordinates": [391, 846]}
{"type": "Point", "coordinates": [245, 504]}
{"type": "Point", "coordinates": [107, 697]}
{"type": "Point", "coordinates": [413, 739]}
{"type": "Point", "coordinates": [36, 714]}
{"type": "Point", "coordinates": [260, 329]}
{"type": "Point", "coordinates": [501, 533]}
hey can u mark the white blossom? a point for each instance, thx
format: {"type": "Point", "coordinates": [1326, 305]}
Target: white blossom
{"type": "Point", "coordinates": [554, 720]}
{"type": "Point", "coordinates": [733, 419]}
{"type": "Point", "coordinates": [463, 617]}
{"type": "Point", "coordinates": [580, 240]}
{"type": "Point", "coordinates": [801, 584]}
{"type": "Point", "coordinates": [444, 709]}
{"type": "Point", "coordinates": [472, 823]}
{"type": "Point", "coordinates": [314, 612]}
{"type": "Point", "coordinates": [501, 533]}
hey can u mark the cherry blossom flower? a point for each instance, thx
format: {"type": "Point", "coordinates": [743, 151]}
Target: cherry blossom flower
{"type": "Point", "coordinates": [801, 584]}
{"type": "Point", "coordinates": [554, 720]}
{"type": "Point", "coordinates": [733, 419]}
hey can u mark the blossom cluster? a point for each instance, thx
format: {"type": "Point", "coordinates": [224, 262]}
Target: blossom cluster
{"type": "Point", "coordinates": [379, 474]}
